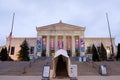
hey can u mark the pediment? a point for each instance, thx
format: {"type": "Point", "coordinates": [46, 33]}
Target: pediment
{"type": "Point", "coordinates": [60, 27]}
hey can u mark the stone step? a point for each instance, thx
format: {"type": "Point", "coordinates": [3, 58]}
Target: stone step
{"type": "Point", "coordinates": [86, 68]}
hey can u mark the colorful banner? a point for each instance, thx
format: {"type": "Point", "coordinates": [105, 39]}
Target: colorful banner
{"type": "Point", "coordinates": [77, 43]}
{"type": "Point", "coordinates": [52, 44]}
{"type": "Point", "coordinates": [44, 44]}
{"type": "Point", "coordinates": [68, 43]}
{"type": "Point", "coordinates": [82, 45]}
{"type": "Point", "coordinates": [60, 43]}
{"type": "Point", "coordinates": [38, 45]}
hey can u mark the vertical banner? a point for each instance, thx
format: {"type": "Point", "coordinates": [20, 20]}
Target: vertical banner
{"type": "Point", "coordinates": [38, 45]}
{"type": "Point", "coordinates": [44, 44]}
{"type": "Point", "coordinates": [82, 45]}
{"type": "Point", "coordinates": [68, 43]}
{"type": "Point", "coordinates": [52, 45]}
{"type": "Point", "coordinates": [60, 43]}
{"type": "Point", "coordinates": [77, 43]}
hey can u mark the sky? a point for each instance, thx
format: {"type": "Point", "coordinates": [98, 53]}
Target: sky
{"type": "Point", "coordinates": [30, 14]}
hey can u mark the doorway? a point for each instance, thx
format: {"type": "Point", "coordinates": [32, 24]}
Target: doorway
{"type": "Point", "coordinates": [61, 67]}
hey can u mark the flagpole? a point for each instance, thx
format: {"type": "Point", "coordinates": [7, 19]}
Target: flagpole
{"type": "Point", "coordinates": [112, 55]}
{"type": "Point", "coordinates": [11, 33]}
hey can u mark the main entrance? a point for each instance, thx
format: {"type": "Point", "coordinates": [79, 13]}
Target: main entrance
{"type": "Point", "coordinates": [61, 67]}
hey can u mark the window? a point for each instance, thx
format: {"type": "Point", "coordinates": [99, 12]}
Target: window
{"type": "Point", "coordinates": [32, 50]}
{"type": "Point", "coordinates": [12, 50]}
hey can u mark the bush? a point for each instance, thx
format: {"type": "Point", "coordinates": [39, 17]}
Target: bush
{"type": "Point", "coordinates": [103, 53]}
{"type": "Point", "coordinates": [24, 52]}
{"type": "Point", "coordinates": [95, 55]}
{"type": "Point", "coordinates": [3, 54]}
{"type": "Point", "coordinates": [118, 52]}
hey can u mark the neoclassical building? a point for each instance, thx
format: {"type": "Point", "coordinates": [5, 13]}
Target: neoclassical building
{"type": "Point", "coordinates": [53, 37]}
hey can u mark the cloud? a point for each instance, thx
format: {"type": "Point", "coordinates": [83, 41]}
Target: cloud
{"type": "Point", "coordinates": [32, 13]}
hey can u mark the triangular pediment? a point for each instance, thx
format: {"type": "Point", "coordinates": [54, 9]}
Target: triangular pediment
{"type": "Point", "coordinates": [60, 26]}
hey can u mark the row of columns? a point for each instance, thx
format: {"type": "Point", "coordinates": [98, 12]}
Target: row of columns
{"type": "Point", "coordinates": [56, 44]}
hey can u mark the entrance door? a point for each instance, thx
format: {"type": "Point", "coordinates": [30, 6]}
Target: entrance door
{"type": "Point", "coordinates": [61, 67]}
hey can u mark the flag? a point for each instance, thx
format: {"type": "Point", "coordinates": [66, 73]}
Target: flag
{"type": "Point", "coordinates": [10, 36]}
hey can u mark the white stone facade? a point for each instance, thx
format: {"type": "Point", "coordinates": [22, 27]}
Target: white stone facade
{"type": "Point", "coordinates": [58, 31]}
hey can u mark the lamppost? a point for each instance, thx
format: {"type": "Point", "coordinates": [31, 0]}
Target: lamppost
{"type": "Point", "coordinates": [112, 48]}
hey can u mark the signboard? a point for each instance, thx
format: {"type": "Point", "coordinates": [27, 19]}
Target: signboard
{"type": "Point", "coordinates": [103, 70]}
{"type": "Point", "coordinates": [84, 59]}
{"type": "Point", "coordinates": [80, 59]}
{"type": "Point", "coordinates": [73, 71]}
{"type": "Point", "coordinates": [46, 71]}
{"type": "Point", "coordinates": [31, 56]}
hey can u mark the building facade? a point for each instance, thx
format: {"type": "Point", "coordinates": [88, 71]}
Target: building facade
{"type": "Point", "coordinates": [57, 36]}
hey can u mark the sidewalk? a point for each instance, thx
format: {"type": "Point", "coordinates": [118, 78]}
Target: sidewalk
{"type": "Point", "coordinates": [79, 78]}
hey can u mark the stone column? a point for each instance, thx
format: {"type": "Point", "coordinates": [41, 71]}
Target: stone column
{"type": "Point", "coordinates": [56, 43]}
{"type": "Point", "coordinates": [73, 45]}
{"type": "Point", "coordinates": [48, 46]}
{"type": "Point", "coordinates": [64, 42]}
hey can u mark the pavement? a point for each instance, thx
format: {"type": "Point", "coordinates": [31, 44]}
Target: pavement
{"type": "Point", "coordinates": [79, 78]}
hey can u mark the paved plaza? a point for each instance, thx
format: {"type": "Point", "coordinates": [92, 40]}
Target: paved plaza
{"type": "Point", "coordinates": [79, 78]}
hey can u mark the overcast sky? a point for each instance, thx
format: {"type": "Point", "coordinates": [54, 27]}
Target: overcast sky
{"type": "Point", "coordinates": [87, 13]}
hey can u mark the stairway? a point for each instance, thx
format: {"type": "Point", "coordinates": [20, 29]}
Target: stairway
{"type": "Point", "coordinates": [86, 68]}
{"type": "Point", "coordinates": [36, 68]}
{"type": "Point", "coordinates": [113, 67]}
{"type": "Point", "coordinates": [12, 67]}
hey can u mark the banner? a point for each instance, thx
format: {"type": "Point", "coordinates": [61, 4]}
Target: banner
{"type": "Point", "coordinates": [82, 45]}
{"type": "Point", "coordinates": [38, 45]}
{"type": "Point", "coordinates": [43, 43]}
{"type": "Point", "coordinates": [68, 43]}
{"type": "Point", "coordinates": [60, 43]}
{"type": "Point", "coordinates": [77, 43]}
{"type": "Point", "coordinates": [52, 44]}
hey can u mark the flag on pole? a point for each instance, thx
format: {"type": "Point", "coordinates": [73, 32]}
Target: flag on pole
{"type": "Point", "coordinates": [10, 35]}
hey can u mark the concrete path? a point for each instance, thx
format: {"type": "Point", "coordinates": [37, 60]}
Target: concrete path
{"type": "Point", "coordinates": [79, 78]}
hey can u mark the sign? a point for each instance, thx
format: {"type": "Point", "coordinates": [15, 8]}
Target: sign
{"type": "Point", "coordinates": [73, 71]}
{"type": "Point", "coordinates": [80, 59]}
{"type": "Point", "coordinates": [46, 71]}
{"type": "Point", "coordinates": [103, 70]}
{"type": "Point", "coordinates": [84, 59]}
